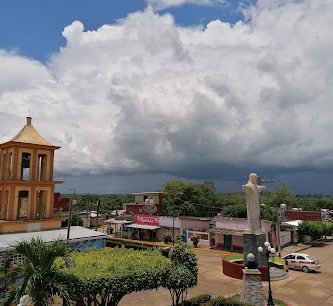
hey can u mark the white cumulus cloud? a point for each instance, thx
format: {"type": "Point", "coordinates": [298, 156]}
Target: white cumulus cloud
{"type": "Point", "coordinates": [163, 4]}
{"type": "Point", "coordinates": [147, 94]}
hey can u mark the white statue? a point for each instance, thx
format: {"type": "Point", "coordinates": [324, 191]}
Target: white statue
{"type": "Point", "coordinates": [24, 300]}
{"type": "Point", "coordinates": [252, 192]}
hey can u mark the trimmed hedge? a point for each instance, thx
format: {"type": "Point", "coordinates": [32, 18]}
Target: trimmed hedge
{"type": "Point", "coordinates": [223, 301]}
{"type": "Point", "coordinates": [110, 274]}
{"type": "Point", "coordinates": [205, 300]}
{"type": "Point", "coordinates": [113, 244]}
{"type": "Point", "coordinates": [198, 300]}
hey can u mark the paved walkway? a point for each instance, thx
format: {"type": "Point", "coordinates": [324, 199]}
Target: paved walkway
{"type": "Point", "coordinates": [212, 280]}
{"type": "Point", "coordinates": [294, 249]}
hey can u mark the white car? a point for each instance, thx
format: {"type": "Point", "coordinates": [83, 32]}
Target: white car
{"type": "Point", "coordinates": [301, 261]}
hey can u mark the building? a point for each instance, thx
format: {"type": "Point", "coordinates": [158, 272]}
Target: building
{"type": "Point", "coordinates": [81, 239]}
{"type": "Point", "coordinates": [228, 232]}
{"type": "Point", "coordinates": [145, 203]}
{"type": "Point", "coordinates": [60, 204]}
{"type": "Point", "coordinates": [26, 182]}
{"type": "Point", "coordinates": [303, 215]}
{"type": "Point", "coordinates": [196, 226]}
{"type": "Point", "coordinates": [27, 194]}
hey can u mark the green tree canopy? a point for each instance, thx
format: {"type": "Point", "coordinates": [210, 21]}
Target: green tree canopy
{"type": "Point", "coordinates": [103, 277]}
{"type": "Point", "coordinates": [188, 199]}
{"type": "Point", "coordinates": [36, 276]}
{"type": "Point", "coordinates": [315, 229]}
{"type": "Point", "coordinates": [282, 194]}
{"type": "Point", "coordinates": [235, 211]}
{"type": "Point", "coordinates": [232, 198]}
{"type": "Point", "coordinates": [183, 273]}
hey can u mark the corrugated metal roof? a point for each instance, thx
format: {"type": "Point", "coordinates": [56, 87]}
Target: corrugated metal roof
{"type": "Point", "coordinates": [76, 233]}
{"type": "Point", "coordinates": [143, 226]}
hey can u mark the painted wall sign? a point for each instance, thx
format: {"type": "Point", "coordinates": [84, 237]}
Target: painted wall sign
{"type": "Point", "coordinates": [148, 220]}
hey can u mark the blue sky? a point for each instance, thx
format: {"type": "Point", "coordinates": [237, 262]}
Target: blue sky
{"type": "Point", "coordinates": [33, 28]}
{"type": "Point", "coordinates": [187, 89]}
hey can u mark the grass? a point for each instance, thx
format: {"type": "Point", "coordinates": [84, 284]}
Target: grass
{"type": "Point", "coordinates": [276, 302]}
{"type": "Point", "coordinates": [234, 257]}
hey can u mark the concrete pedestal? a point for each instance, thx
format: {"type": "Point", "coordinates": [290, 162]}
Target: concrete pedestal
{"type": "Point", "coordinates": [251, 242]}
{"type": "Point", "coordinates": [252, 290]}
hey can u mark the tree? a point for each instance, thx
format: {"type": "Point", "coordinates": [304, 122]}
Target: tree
{"type": "Point", "coordinates": [235, 211]}
{"type": "Point", "coordinates": [36, 276]}
{"type": "Point", "coordinates": [178, 281]}
{"type": "Point", "coordinates": [314, 229]}
{"type": "Point", "coordinates": [103, 277]}
{"type": "Point", "coordinates": [183, 273]}
{"type": "Point", "coordinates": [232, 198]}
{"type": "Point", "coordinates": [188, 199]}
{"type": "Point", "coordinates": [282, 194]}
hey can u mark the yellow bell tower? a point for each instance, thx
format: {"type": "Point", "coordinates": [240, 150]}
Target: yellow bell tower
{"type": "Point", "coordinates": [26, 182]}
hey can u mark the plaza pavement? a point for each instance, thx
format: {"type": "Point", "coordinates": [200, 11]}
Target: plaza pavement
{"type": "Point", "coordinates": [300, 289]}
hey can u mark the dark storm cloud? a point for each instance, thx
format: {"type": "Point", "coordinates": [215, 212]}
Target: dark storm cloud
{"type": "Point", "coordinates": [147, 97]}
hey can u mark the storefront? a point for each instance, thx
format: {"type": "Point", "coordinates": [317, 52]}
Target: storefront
{"type": "Point", "coordinates": [117, 228]}
{"type": "Point", "coordinates": [144, 228]}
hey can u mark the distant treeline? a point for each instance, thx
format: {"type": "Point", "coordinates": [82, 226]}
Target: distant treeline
{"type": "Point", "coordinates": [191, 199]}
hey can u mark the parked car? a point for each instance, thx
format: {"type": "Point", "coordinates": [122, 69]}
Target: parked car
{"type": "Point", "coordinates": [301, 261]}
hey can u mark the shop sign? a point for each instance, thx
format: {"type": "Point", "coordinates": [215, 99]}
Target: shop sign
{"type": "Point", "coordinates": [148, 220]}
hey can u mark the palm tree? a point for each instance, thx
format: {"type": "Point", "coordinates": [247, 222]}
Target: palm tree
{"type": "Point", "coordinates": [36, 276]}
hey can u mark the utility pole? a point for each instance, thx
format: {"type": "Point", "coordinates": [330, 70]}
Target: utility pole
{"type": "Point", "coordinates": [98, 205]}
{"type": "Point", "coordinates": [87, 216]}
{"type": "Point", "coordinates": [71, 202]}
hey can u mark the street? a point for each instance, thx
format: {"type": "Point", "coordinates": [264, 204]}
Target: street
{"type": "Point", "coordinates": [300, 289]}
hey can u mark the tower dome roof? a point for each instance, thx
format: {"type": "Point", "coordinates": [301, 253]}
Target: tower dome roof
{"type": "Point", "coordinates": [30, 135]}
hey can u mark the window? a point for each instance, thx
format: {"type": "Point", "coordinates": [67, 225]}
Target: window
{"type": "Point", "coordinates": [23, 204]}
{"type": "Point", "coordinates": [1, 205]}
{"type": "Point", "coordinates": [25, 166]}
{"type": "Point", "coordinates": [5, 205]}
{"type": "Point", "coordinates": [42, 158]}
{"type": "Point", "coordinates": [290, 257]}
{"type": "Point", "coordinates": [10, 168]}
{"type": "Point", "coordinates": [3, 166]}
{"type": "Point", "coordinates": [300, 257]}
{"type": "Point", "coordinates": [41, 196]}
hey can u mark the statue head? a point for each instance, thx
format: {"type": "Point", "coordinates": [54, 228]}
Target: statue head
{"type": "Point", "coordinates": [253, 178]}
{"type": "Point", "coordinates": [250, 257]}
{"type": "Point", "coordinates": [251, 261]}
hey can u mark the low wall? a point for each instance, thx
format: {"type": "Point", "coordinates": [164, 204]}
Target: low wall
{"type": "Point", "coordinates": [234, 270]}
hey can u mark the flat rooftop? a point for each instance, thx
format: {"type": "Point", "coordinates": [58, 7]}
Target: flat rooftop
{"type": "Point", "coordinates": [76, 233]}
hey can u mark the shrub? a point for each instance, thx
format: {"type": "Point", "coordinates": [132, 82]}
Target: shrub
{"type": "Point", "coordinates": [178, 280]}
{"type": "Point", "coordinates": [180, 238]}
{"type": "Point", "coordinates": [167, 237]}
{"type": "Point", "coordinates": [113, 244]}
{"type": "Point", "coordinates": [195, 239]}
{"type": "Point", "coordinates": [183, 255]}
{"type": "Point", "coordinates": [315, 229]}
{"type": "Point", "coordinates": [223, 301]}
{"type": "Point", "coordinates": [183, 273]}
{"type": "Point", "coordinates": [198, 300]}
{"type": "Point", "coordinates": [108, 275]}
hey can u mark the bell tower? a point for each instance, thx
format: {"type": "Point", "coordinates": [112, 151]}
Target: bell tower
{"type": "Point", "coordinates": [26, 182]}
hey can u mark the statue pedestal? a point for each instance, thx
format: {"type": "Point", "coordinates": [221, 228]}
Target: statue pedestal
{"type": "Point", "coordinates": [252, 291]}
{"type": "Point", "coordinates": [251, 242]}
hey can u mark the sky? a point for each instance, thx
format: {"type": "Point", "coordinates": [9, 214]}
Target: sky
{"type": "Point", "coordinates": [141, 92]}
